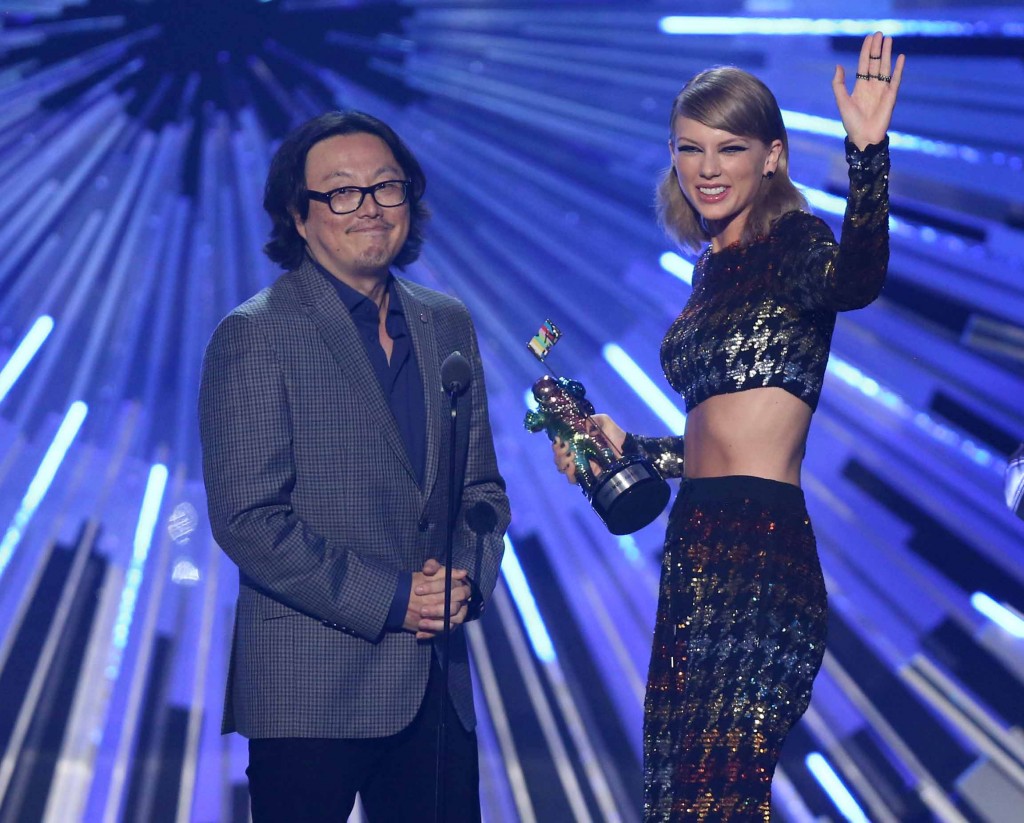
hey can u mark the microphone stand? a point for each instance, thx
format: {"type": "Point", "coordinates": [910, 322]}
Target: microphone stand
{"type": "Point", "coordinates": [441, 776]}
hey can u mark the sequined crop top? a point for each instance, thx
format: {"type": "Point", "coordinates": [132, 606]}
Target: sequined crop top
{"type": "Point", "coordinates": [763, 314]}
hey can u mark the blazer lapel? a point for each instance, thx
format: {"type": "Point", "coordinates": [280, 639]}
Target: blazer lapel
{"type": "Point", "coordinates": [335, 325]}
{"type": "Point", "coordinates": [420, 321]}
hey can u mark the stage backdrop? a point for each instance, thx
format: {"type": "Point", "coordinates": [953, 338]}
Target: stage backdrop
{"type": "Point", "coordinates": [134, 140]}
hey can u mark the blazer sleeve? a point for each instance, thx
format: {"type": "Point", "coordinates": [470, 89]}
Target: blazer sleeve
{"type": "Point", "coordinates": [484, 515]}
{"type": "Point", "coordinates": [249, 471]}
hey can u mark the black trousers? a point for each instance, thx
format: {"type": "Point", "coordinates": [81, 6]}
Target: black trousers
{"type": "Point", "coordinates": [315, 780]}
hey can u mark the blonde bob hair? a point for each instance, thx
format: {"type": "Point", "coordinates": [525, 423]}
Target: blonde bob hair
{"type": "Point", "coordinates": [732, 100]}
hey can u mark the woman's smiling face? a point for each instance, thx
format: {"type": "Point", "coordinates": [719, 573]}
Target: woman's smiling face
{"type": "Point", "coordinates": [720, 175]}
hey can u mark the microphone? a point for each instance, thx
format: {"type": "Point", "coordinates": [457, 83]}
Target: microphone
{"type": "Point", "coordinates": [456, 373]}
{"type": "Point", "coordinates": [455, 376]}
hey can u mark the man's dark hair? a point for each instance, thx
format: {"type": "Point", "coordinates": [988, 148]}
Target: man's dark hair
{"type": "Point", "coordinates": [285, 191]}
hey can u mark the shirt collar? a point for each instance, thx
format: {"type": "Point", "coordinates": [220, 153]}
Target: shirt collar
{"type": "Point", "coordinates": [358, 303]}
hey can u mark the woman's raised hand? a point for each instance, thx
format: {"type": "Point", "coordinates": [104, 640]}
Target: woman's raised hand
{"type": "Point", "coordinates": [867, 111]}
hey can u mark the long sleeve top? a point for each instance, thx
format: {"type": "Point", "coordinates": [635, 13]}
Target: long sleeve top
{"type": "Point", "coordinates": [763, 314]}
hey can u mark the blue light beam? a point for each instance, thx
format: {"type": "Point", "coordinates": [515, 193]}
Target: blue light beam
{"type": "Point", "coordinates": [834, 787]}
{"type": "Point", "coordinates": [151, 502]}
{"type": "Point", "coordinates": [40, 484]}
{"type": "Point", "coordinates": [831, 127]}
{"type": "Point", "coordinates": [23, 354]}
{"type": "Point", "coordinates": [527, 606]}
{"type": "Point", "coordinates": [797, 26]}
{"type": "Point", "coordinates": [1003, 616]}
{"type": "Point", "coordinates": [646, 388]}
{"type": "Point", "coordinates": [677, 266]}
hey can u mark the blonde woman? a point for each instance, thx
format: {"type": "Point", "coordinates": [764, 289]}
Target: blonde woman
{"type": "Point", "coordinates": [742, 608]}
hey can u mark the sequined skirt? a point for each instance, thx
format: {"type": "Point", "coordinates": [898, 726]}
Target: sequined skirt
{"type": "Point", "coordinates": [740, 636]}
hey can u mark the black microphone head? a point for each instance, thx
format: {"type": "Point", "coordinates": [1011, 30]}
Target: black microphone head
{"type": "Point", "coordinates": [456, 373]}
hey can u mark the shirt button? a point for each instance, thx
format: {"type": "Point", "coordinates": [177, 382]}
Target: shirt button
{"type": "Point", "coordinates": [424, 525]}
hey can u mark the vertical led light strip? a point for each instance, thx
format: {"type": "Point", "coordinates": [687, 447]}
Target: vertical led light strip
{"type": "Point", "coordinates": [834, 787]}
{"type": "Point", "coordinates": [527, 606]}
{"type": "Point", "coordinates": [999, 614]}
{"type": "Point", "coordinates": [645, 387]}
{"type": "Point", "coordinates": [151, 502]}
{"type": "Point", "coordinates": [40, 484]}
{"type": "Point", "coordinates": [24, 353]}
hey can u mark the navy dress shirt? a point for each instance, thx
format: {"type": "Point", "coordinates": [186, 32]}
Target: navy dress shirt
{"type": "Point", "coordinates": [402, 386]}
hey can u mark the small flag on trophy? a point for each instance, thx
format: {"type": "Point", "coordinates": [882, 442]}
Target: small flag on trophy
{"type": "Point", "coordinates": [544, 340]}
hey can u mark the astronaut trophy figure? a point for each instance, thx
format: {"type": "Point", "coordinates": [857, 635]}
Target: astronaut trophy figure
{"type": "Point", "coordinates": [563, 411]}
{"type": "Point", "coordinates": [626, 492]}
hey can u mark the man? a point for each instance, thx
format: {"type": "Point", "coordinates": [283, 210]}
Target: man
{"type": "Point", "coordinates": [326, 435]}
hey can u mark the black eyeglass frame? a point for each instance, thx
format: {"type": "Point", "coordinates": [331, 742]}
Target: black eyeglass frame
{"type": "Point", "coordinates": [327, 196]}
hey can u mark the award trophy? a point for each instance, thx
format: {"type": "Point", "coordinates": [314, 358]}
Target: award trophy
{"type": "Point", "coordinates": [627, 492]}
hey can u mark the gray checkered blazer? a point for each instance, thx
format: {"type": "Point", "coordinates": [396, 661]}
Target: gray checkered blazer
{"type": "Point", "coordinates": [312, 495]}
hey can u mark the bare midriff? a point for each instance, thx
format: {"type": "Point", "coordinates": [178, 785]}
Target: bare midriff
{"type": "Point", "coordinates": [758, 433]}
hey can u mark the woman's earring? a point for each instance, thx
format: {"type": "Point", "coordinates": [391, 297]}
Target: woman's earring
{"type": "Point", "coordinates": [768, 175]}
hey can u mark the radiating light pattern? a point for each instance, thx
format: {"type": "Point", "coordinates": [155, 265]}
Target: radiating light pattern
{"type": "Point", "coordinates": [515, 578]}
{"type": "Point", "coordinates": [790, 26]}
{"type": "Point", "coordinates": [23, 354]}
{"type": "Point", "coordinates": [677, 266]}
{"type": "Point", "coordinates": [647, 389]}
{"type": "Point", "coordinates": [1004, 617]}
{"type": "Point", "coordinates": [939, 432]}
{"type": "Point", "coordinates": [150, 510]}
{"type": "Point", "coordinates": [40, 484]}
{"type": "Point", "coordinates": [835, 788]}
{"type": "Point", "coordinates": [833, 127]}
{"type": "Point", "coordinates": [132, 162]}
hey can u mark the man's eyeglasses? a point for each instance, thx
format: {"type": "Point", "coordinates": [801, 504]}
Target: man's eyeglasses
{"type": "Point", "coordinates": [348, 199]}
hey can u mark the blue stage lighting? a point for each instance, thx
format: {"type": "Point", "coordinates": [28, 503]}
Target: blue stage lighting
{"type": "Point", "coordinates": [831, 127]}
{"type": "Point", "coordinates": [677, 266]}
{"type": "Point", "coordinates": [40, 484]}
{"type": "Point", "coordinates": [834, 787]}
{"type": "Point", "coordinates": [790, 26]}
{"type": "Point", "coordinates": [649, 392]}
{"type": "Point", "coordinates": [939, 432]}
{"type": "Point", "coordinates": [515, 579]}
{"type": "Point", "coordinates": [23, 354]}
{"type": "Point", "coordinates": [999, 614]}
{"type": "Point", "coordinates": [151, 502]}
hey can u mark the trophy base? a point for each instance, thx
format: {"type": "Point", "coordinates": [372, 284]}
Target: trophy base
{"type": "Point", "coordinates": [629, 494]}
